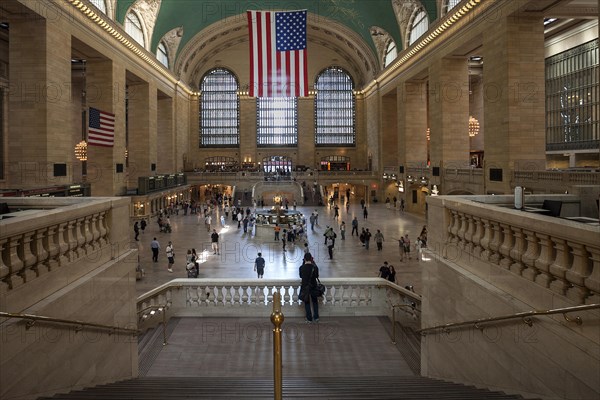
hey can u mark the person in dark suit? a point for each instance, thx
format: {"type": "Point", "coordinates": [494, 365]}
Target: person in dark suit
{"type": "Point", "coordinates": [309, 273]}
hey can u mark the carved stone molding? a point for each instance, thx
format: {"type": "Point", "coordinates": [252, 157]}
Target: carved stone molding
{"type": "Point", "coordinates": [147, 10]}
{"type": "Point", "coordinates": [171, 40]}
{"type": "Point", "coordinates": [381, 39]}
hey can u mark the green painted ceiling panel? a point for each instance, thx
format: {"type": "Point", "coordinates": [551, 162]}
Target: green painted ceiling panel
{"type": "Point", "coordinates": [195, 15]}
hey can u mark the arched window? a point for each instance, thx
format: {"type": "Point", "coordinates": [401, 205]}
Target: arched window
{"type": "Point", "coordinates": [133, 26]}
{"type": "Point", "coordinates": [391, 52]}
{"type": "Point", "coordinates": [219, 109]}
{"type": "Point", "coordinates": [334, 109]}
{"type": "Point", "coordinates": [450, 4]}
{"type": "Point", "coordinates": [100, 5]}
{"type": "Point", "coordinates": [419, 25]}
{"type": "Point", "coordinates": [161, 54]}
{"type": "Point", "coordinates": [276, 121]}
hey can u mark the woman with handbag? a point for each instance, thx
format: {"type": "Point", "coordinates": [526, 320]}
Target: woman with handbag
{"type": "Point", "coordinates": [309, 292]}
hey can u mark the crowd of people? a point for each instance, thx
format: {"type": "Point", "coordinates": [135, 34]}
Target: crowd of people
{"type": "Point", "coordinates": [216, 211]}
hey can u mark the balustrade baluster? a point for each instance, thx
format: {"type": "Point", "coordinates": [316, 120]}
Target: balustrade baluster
{"type": "Point", "coordinates": [79, 237]}
{"type": "Point", "coordinates": [477, 236]}
{"type": "Point", "coordinates": [87, 234]}
{"type": "Point", "coordinates": [95, 232]}
{"type": "Point", "coordinates": [592, 282]}
{"type": "Point", "coordinates": [506, 247]}
{"type": "Point", "coordinates": [52, 247]}
{"type": "Point", "coordinates": [470, 232]}
{"type": "Point", "coordinates": [462, 228]}
{"type": "Point", "coordinates": [227, 298]}
{"type": "Point", "coordinates": [545, 259]}
{"type": "Point", "coordinates": [71, 240]}
{"type": "Point", "coordinates": [337, 298]}
{"type": "Point", "coordinates": [286, 295]}
{"type": "Point", "coordinates": [63, 244]}
{"type": "Point", "coordinates": [517, 251]}
{"type": "Point", "coordinates": [560, 266]}
{"type": "Point", "coordinates": [39, 250]}
{"type": "Point", "coordinates": [261, 295]}
{"type": "Point", "coordinates": [346, 295]}
{"type": "Point", "coordinates": [103, 228]}
{"type": "Point", "coordinates": [495, 243]}
{"type": "Point", "coordinates": [531, 255]}
{"type": "Point", "coordinates": [245, 289]}
{"type": "Point", "coordinates": [485, 241]}
{"type": "Point", "coordinates": [28, 268]}
{"type": "Point", "coordinates": [580, 269]}
{"type": "Point", "coordinates": [453, 228]}
{"type": "Point", "coordinates": [4, 269]}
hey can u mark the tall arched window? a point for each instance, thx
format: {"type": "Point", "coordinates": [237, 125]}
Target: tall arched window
{"type": "Point", "coordinates": [219, 109]}
{"type": "Point", "coordinates": [391, 52]}
{"type": "Point", "coordinates": [133, 26]}
{"type": "Point", "coordinates": [334, 109]}
{"type": "Point", "coordinates": [161, 54]}
{"type": "Point", "coordinates": [450, 4]}
{"type": "Point", "coordinates": [100, 5]}
{"type": "Point", "coordinates": [276, 121]}
{"type": "Point", "coordinates": [419, 25]}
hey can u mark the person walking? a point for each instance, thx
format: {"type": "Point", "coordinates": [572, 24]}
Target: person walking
{"type": "Point", "coordinates": [312, 220]}
{"type": "Point", "coordinates": [259, 265]}
{"type": "Point", "coordinates": [392, 275]}
{"type": "Point", "coordinates": [379, 239]}
{"type": "Point", "coordinates": [367, 238]}
{"type": "Point", "coordinates": [143, 225]}
{"type": "Point", "coordinates": [309, 273]}
{"type": "Point", "coordinates": [343, 230]}
{"type": "Point", "coordinates": [155, 246]}
{"type": "Point", "coordinates": [384, 271]}
{"type": "Point", "coordinates": [214, 241]}
{"type": "Point", "coordinates": [330, 243]}
{"type": "Point", "coordinates": [170, 256]}
{"type": "Point", "coordinates": [277, 229]}
{"type": "Point", "coordinates": [355, 226]}
{"type": "Point", "coordinates": [365, 213]}
{"type": "Point", "coordinates": [207, 222]}
{"type": "Point", "coordinates": [136, 230]}
{"type": "Point", "coordinates": [336, 213]}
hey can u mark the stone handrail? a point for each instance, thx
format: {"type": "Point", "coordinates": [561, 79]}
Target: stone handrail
{"type": "Point", "coordinates": [566, 177]}
{"type": "Point", "coordinates": [65, 232]}
{"type": "Point", "coordinates": [253, 297]}
{"type": "Point", "coordinates": [555, 253]}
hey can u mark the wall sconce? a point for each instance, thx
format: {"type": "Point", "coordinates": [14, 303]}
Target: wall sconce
{"type": "Point", "coordinates": [410, 179]}
{"type": "Point", "coordinates": [385, 176]}
{"type": "Point", "coordinates": [400, 186]}
{"type": "Point", "coordinates": [423, 180]}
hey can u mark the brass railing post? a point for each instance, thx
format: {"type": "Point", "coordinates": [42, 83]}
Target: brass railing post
{"type": "Point", "coordinates": [277, 319]}
{"type": "Point", "coordinates": [164, 324]}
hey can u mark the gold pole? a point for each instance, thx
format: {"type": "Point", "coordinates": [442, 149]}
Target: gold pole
{"type": "Point", "coordinates": [277, 319]}
{"type": "Point", "coordinates": [393, 324]}
{"type": "Point", "coordinates": [164, 324]}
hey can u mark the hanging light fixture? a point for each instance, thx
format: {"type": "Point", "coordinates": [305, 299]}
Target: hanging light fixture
{"type": "Point", "coordinates": [428, 133]}
{"type": "Point", "coordinates": [81, 151]}
{"type": "Point", "coordinates": [473, 126]}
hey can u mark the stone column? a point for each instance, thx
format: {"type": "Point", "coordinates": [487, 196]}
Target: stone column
{"type": "Point", "coordinates": [166, 156]}
{"type": "Point", "coordinates": [448, 116]}
{"type": "Point", "coordinates": [513, 98]}
{"type": "Point", "coordinates": [105, 91]}
{"type": "Point", "coordinates": [306, 134]}
{"type": "Point", "coordinates": [412, 124]}
{"type": "Point", "coordinates": [142, 118]}
{"type": "Point", "coordinates": [41, 133]}
{"type": "Point", "coordinates": [389, 131]}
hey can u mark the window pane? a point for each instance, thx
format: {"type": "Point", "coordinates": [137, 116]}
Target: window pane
{"type": "Point", "coordinates": [133, 27]}
{"type": "Point", "coordinates": [451, 4]}
{"type": "Point", "coordinates": [391, 52]}
{"type": "Point", "coordinates": [219, 110]}
{"type": "Point", "coordinates": [100, 5]}
{"type": "Point", "coordinates": [161, 54]}
{"type": "Point", "coordinates": [277, 121]}
{"type": "Point", "coordinates": [334, 109]}
{"type": "Point", "coordinates": [419, 26]}
{"type": "Point", "coordinates": [572, 99]}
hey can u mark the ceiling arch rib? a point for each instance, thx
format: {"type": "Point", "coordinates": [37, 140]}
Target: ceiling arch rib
{"type": "Point", "coordinates": [192, 60]}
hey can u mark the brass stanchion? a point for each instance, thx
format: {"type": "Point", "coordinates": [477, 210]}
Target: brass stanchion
{"type": "Point", "coordinates": [277, 319]}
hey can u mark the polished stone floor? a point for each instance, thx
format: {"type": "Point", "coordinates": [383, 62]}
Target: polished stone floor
{"type": "Point", "coordinates": [239, 249]}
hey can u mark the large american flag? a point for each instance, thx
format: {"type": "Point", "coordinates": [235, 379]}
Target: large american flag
{"type": "Point", "coordinates": [101, 130]}
{"type": "Point", "coordinates": [278, 61]}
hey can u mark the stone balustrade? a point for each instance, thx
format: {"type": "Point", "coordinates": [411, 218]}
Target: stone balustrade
{"type": "Point", "coordinates": [558, 254]}
{"type": "Point", "coordinates": [252, 297]}
{"type": "Point", "coordinates": [60, 234]}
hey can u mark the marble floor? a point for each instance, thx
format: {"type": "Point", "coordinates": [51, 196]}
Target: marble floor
{"type": "Point", "coordinates": [239, 249]}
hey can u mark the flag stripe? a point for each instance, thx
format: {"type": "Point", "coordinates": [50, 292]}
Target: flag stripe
{"type": "Point", "coordinates": [277, 69]}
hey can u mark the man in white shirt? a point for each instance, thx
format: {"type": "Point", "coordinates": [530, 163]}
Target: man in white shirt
{"type": "Point", "coordinates": [170, 256]}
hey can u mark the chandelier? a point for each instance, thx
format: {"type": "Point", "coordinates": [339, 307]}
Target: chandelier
{"type": "Point", "coordinates": [81, 151]}
{"type": "Point", "coordinates": [473, 126]}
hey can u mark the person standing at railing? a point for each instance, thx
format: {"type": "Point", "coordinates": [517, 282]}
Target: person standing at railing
{"type": "Point", "coordinates": [309, 273]}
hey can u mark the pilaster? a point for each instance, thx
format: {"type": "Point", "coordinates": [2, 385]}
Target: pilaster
{"type": "Point", "coordinates": [142, 122]}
